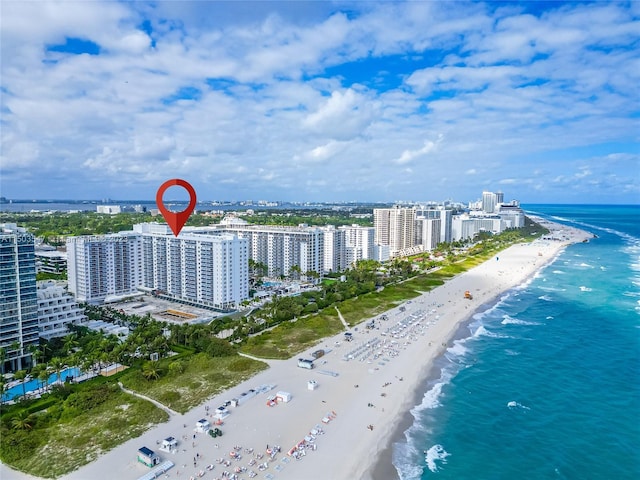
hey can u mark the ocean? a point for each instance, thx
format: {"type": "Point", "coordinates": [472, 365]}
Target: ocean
{"type": "Point", "coordinates": [545, 383]}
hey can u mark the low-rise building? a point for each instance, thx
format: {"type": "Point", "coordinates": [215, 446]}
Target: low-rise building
{"type": "Point", "coordinates": [56, 310]}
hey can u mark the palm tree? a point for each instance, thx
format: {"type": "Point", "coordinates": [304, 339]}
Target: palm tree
{"type": "Point", "coordinates": [23, 421]}
{"type": "Point", "coordinates": [43, 376]}
{"type": "Point", "coordinates": [70, 342]}
{"type": "Point", "coordinates": [151, 370]}
{"type": "Point", "coordinates": [57, 363]}
{"type": "Point", "coordinates": [21, 375]}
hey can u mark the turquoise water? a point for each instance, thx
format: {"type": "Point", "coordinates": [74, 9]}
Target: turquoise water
{"type": "Point", "coordinates": [546, 383]}
{"type": "Point", "coordinates": [35, 384]}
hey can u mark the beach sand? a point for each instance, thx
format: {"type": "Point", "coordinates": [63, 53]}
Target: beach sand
{"type": "Point", "coordinates": [366, 405]}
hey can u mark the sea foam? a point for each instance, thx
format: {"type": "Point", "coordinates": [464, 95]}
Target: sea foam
{"type": "Point", "coordinates": [436, 454]}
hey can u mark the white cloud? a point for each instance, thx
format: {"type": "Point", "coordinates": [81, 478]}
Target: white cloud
{"type": "Point", "coordinates": [409, 155]}
{"type": "Point", "coordinates": [282, 98]}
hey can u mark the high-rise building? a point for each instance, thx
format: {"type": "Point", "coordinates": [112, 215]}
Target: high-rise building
{"type": "Point", "coordinates": [282, 249]}
{"type": "Point", "coordinates": [18, 297]}
{"type": "Point", "coordinates": [491, 200]}
{"type": "Point", "coordinates": [335, 258]}
{"type": "Point", "coordinates": [444, 214]}
{"type": "Point", "coordinates": [359, 243]}
{"type": "Point", "coordinates": [394, 227]}
{"type": "Point", "coordinates": [209, 269]}
{"type": "Point", "coordinates": [428, 232]}
{"type": "Point", "coordinates": [100, 266]}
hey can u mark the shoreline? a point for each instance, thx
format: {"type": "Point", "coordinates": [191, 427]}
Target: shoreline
{"type": "Point", "coordinates": [377, 391]}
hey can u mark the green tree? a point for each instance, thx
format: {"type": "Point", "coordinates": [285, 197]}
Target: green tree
{"type": "Point", "coordinates": [23, 421]}
{"type": "Point", "coordinates": [57, 364]}
{"type": "Point", "coordinates": [151, 370]}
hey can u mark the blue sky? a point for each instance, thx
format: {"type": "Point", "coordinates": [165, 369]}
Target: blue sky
{"type": "Point", "coordinates": [321, 101]}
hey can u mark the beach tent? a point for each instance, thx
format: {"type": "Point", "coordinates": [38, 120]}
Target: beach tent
{"type": "Point", "coordinates": [148, 457]}
{"type": "Point", "coordinates": [203, 425]}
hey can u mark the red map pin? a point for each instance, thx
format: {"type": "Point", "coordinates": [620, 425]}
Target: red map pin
{"type": "Point", "coordinates": [176, 220]}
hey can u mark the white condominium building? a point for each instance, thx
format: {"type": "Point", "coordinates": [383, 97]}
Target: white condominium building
{"type": "Point", "coordinates": [282, 249]}
{"type": "Point", "coordinates": [335, 257]}
{"type": "Point", "coordinates": [208, 269]}
{"type": "Point", "coordinates": [466, 227]}
{"type": "Point", "coordinates": [99, 266]}
{"type": "Point", "coordinates": [56, 309]}
{"type": "Point", "coordinates": [394, 227]}
{"type": "Point", "coordinates": [444, 214]}
{"type": "Point", "coordinates": [428, 232]}
{"type": "Point", "coordinates": [359, 242]}
{"type": "Point", "coordinates": [491, 200]}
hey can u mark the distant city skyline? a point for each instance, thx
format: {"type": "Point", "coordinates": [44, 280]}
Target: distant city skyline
{"type": "Point", "coordinates": [321, 101]}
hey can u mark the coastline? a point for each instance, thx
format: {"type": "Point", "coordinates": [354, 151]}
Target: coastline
{"type": "Point", "coordinates": [392, 384]}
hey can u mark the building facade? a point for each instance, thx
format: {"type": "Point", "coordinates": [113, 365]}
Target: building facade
{"type": "Point", "coordinates": [335, 256]}
{"type": "Point", "coordinates": [394, 227]}
{"type": "Point", "coordinates": [359, 243]}
{"type": "Point", "coordinates": [208, 269]}
{"type": "Point", "coordinates": [18, 297]}
{"type": "Point", "coordinates": [287, 251]}
{"type": "Point", "coordinates": [428, 233]}
{"type": "Point", "coordinates": [57, 309]}
{"type": "Point", "coordinates": [101, 266]}
{"type": "Point", "coordinates": [491, 200]}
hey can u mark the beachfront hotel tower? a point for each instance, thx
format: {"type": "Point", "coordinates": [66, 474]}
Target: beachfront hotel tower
{"type": "Point", "coordinates": [208, 269]}
{"type": "Point", "coordinates": [100, 266]}
{"type": "Point", "coordinates": [18, 298]}
{"type": "Point", "coordinates": [491, 200]}
{"type": "Point", "coordinates": [395, 227]}
{"type": "Point", "coordinates": [284, 250]}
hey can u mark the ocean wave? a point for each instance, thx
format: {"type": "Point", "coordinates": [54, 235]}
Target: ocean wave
{"type": "Point", "coordinates": [431, 398]}
{"type": "Point", "coordinates": [436, 453]}
{"type": "Point", "coordinates": [483, 332]}
{"type": "Point", "coordinates": [558, 272]}
{"type": "Point", "coordinates": [507, 320]}
{"type": "Point", "coordinates": [585, 289]}
{"type": "Point", "coordinates": [511, 353]}
{"type": "Point", "coordinates": [405, 458]}
{"type": "Point", "coordinates": [513, 404]}
{"type": "Point", "coordinates": [585, 265]}
{"type": "Point", "coordinates": [549, 317]}
{"type": "Point", "coordinates": [458, 349]}
{"type": "Point", "coordinates": [552, 289]}
{"type": "Point", "coordinates": [546, 298]}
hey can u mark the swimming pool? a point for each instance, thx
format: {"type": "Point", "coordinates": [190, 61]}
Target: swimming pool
{"type": "Point", "coordinates": [35, 384]}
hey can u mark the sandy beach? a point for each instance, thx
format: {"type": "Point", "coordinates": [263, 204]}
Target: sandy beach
{"type": "Point", "coordinates": [364, 390]}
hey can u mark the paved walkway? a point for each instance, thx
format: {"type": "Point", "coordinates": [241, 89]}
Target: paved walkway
{"type": "Point", "coordinates": [155, 402]}
{"type": "Point", "coordinates": [268, 361]}
{"type": "Point", "coordinates": [346, 325]}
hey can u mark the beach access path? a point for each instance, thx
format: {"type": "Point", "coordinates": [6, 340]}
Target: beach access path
{"type": "Point", "coordinates": [360, 399]}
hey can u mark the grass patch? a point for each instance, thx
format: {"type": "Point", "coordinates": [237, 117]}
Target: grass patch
{"type": "Point", "coordinates": [290, 338]}
{"type": "Point", "coordinates": [56, 446]}
{"type": "Point", "coordinates": [199, 377]}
